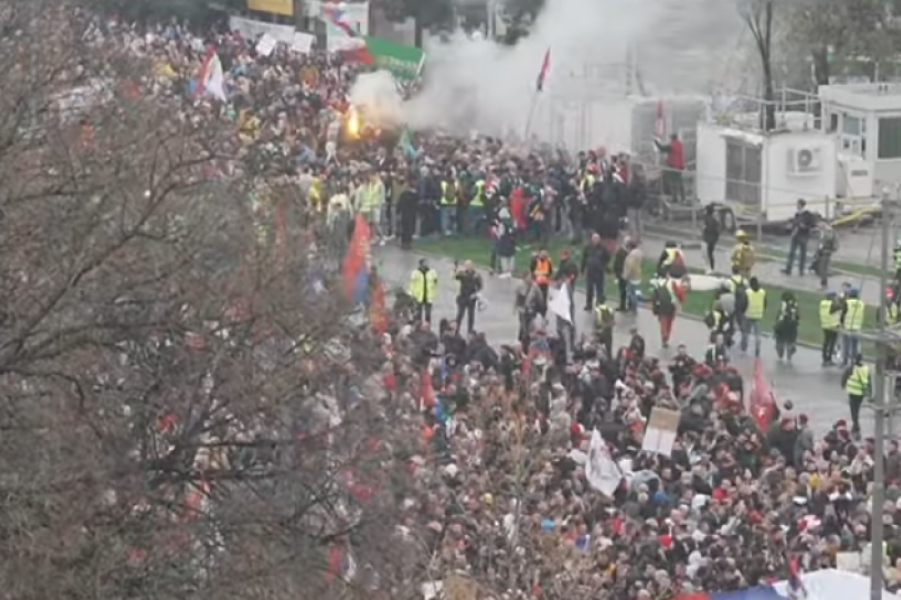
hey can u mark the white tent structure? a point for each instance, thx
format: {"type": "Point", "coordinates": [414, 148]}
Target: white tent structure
{"type": "Point", "coordinates": [831, 584]}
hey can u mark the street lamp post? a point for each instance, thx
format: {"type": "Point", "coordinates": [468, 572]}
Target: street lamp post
{"type": "Point", "coordinates": [884, 337]}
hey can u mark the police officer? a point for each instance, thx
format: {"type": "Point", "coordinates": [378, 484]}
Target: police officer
{"type": "Point", "coordinates": [604, 321]}
{"type": "Point", "coordinates": [830, 322]}
{"type": "Point", "coordinates": [856, 380]}
{"type": "Point", "coordinates": [424, 289]}
{"type": "Point", "coordinates": [753, 317]}
{"type": "Point", "coordinates": [852, 323]}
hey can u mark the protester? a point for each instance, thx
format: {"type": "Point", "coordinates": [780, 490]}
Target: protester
{"type": "Point", "coordinates": [497, 438]}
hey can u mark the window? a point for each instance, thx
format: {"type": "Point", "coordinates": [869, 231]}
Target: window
{"type": "Point", "coordinates": [889, 138]}
{"type": "Point", "coordinates": [851, 125]}
{"type": "Point", "coordinates": [743, 172]}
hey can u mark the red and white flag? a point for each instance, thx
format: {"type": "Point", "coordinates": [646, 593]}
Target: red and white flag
{"type": "Point", "coordinates": [545, 69]}
{"type": "Point", "coordinates": [660, 125]}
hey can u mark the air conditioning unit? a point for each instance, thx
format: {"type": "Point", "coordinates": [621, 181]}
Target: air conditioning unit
{"type": "Point", "coordinates": [805, 161]}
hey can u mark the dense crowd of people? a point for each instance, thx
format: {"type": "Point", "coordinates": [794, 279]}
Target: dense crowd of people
{"type": "Point", "coordinates": [499, 481]}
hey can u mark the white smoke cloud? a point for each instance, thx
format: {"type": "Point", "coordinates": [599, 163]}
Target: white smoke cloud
{"type": "Point", "coordinates": [679, 46]}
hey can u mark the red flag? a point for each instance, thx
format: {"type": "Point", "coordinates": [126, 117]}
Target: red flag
{"type": "Point", "coordinates": [378, 316]}
{"type": "Point", "coordinates": [761, 404]}
{"type": "Point", "coordinates": [354, 268]}
{"type": "Point", "coordinates": [660, 125]}
{"type": "Point", "coordinates": [545, 68]}
{"type": "Point", "coordinates": [426, 392]}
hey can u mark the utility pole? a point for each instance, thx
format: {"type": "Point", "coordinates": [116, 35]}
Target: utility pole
{"type": "Point", "coordinates": [885, 338]}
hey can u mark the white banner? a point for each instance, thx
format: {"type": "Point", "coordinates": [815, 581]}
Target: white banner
{"type": "Point", "coordinates": [266, 45]}
{"type": "Point", "coordinates": [252, 29]}
{"type": "Point", "coordinates": [303, 42]}
{"type": "Point", "coordinates": [560, 304]}
{"type": "Point", "coordinates": [601, 471]}
{"type": "Point", "coordinates": [660, 434]}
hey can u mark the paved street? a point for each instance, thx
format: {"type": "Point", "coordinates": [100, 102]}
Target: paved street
{"type": "Point", "coordinates": [770, 272]}
{"type": "Point", "coordinates": [813, 390]}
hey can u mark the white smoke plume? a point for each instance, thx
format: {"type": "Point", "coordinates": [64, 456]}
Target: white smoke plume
{"type": "Point", "coordinates": [678, 46]}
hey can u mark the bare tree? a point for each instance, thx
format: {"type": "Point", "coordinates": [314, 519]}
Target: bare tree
{"type": "Point", "coordinates": [758, 16]}
{"type": "Point", "coordinates": [181, 415]}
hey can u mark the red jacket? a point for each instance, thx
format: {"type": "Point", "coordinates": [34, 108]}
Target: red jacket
{"type": "Point", "coordinates": [675, 158]}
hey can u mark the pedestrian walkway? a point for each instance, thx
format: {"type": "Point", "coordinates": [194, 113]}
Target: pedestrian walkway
{"type": "Point", "coordinates": [770, 271]}
{"type": "Point", "coordinates": [813, 390]}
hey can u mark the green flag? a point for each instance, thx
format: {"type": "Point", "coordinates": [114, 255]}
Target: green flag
{"type": "Point", "coordinates": [403, 61]}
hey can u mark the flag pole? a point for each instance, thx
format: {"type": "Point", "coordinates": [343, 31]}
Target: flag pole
{"type": "Point", "coordinates": [539, 86]}
{"type": "Point", "coordinates": [532, 106]}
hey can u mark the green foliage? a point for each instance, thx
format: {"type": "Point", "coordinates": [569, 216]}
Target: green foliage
{"type": "Point", "coordinates": [865, 31]}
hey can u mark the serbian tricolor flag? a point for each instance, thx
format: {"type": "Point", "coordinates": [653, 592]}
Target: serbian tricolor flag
{"type": "Point", "coordinates": [761, 403]}
{"type": "Point", "coordinates": [355, 269]}
{"type": "Point", "coordinates": [545, 68]}
{"type": "Point", "coordinates": [211, 79]}
{"type": "Point", "coordinates": [336, 16]}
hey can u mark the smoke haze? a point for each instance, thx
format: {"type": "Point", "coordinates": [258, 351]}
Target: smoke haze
{"type": "Point", "coordinates": [678, 46]}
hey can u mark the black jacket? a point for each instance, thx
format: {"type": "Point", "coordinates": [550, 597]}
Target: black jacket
{"type": "Point", "coordinates": [619, 260]}
{"type": "Point", "coordinates": [470, 284]}
{"type": "Point", "coordinates": [595, 259]}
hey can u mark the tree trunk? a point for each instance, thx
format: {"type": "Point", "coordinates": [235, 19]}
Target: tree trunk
{"type": "Point", "coordinates": [821, 65]}
{"type": "Point", "coordinates": [766, 55]}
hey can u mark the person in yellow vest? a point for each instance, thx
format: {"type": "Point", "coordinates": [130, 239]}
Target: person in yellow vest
{"type": "Point", "coordinates": [856, 381]}
{"type": "Point", "coordinates": [370, 200]}
{"type": "Point", "coordinates": [424, 289]}
{"type": "Point", "coordinates": [448, 204]}
{"type": "Point", "coordinates": [743, 255]}
{"type": "Point", "coordinates": [542, 270]}
{"type": "Point", "coordinates": [476, 211]}
{"type": "Point", "coordinates": [248, 126]}
{"type": "Point", "coordinates": [604, 321]}
{"type": "Point", "coordinates": [830, 322]}
{"type": "Point", "coordinates": [852, 323]}
{"type": "Point", "coordinates": [753, 317]}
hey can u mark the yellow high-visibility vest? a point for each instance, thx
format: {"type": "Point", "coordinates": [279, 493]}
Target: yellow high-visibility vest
{"type": "Point", "coordinates": [756, 304]}
{"type": "Point", "coordinates": [477, 197]}
{"type": "Point", "coordinates": [858, 381]}
{"type": "Point", "coordinates": [854, 317]}
{"type": "Point", "coordinates": [424, 286]}
{"type": "Point", "coordinates": [829, 319]}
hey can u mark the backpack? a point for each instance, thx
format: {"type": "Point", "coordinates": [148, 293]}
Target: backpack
{"type": "Point", "coordinates": [661, 299]}
{"type": "Point", "coordinates": [677, 268]}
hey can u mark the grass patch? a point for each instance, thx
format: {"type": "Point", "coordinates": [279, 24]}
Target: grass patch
{"type": "Point", "coordinates": [776, 254]}
{"type": "Point", "coordinates": [697, 303]}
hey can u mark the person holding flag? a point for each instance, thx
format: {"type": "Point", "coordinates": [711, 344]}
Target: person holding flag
{"type": "Point", "coordinates": [675, 164]}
